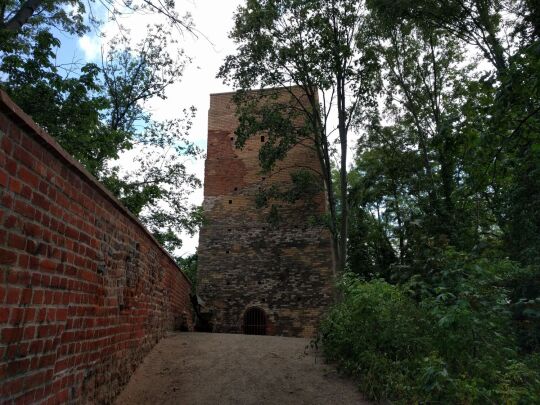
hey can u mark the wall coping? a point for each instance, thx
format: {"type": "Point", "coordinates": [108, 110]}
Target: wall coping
{"type": "Point", "coordinates": [15, 112]}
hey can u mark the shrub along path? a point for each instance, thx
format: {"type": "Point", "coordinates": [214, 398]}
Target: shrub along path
{"type": "Point", "coordinates": [206, 368]}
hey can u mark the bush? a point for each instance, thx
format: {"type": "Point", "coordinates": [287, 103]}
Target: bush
{"type": "Point", "coordinates": [447, 341]}
{"type": "Point", "coordinates": [524, 287]}
{"type": "Point", "coordinates": [376, 333]}
{"type": "Point", "coordinates": [189, 267]}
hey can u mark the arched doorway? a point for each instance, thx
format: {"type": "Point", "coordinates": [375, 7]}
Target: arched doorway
{"type": "Point", "coordinates": [254, 321]}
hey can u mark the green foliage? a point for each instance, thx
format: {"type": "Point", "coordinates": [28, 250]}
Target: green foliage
{"type": "Point", "coordinates": [370, 251]}
{"type": "Point", "coordinates": [301, 191]}
{"type": "Point", "coordinates": [189, 267]}
{"type": "Point", "coordinates": [448, 342]}
{"type": "Point", "coordinates": [524, 300]}
{"type": "Point", "coordinates": [449, 164]}
{"type": "Point", "coordinates": [68, 107]}
{"type": "Point", "coordinates": [64, 15]}
{"type": "Point", "coordinates": [456, 140]}
{"type": "Point", "coordinates": [97, 113]}
{"type": "Point", "coordinates": [374, 333]}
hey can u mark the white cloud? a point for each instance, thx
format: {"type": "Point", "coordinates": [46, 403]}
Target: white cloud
{"type": "Point", "coordinates": [91, 46]}
{"type": "Point", "coordinates": [214, 19]}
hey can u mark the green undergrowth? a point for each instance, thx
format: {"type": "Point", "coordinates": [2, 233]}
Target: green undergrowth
{"type": "Point", "coordinates": [453, 340]}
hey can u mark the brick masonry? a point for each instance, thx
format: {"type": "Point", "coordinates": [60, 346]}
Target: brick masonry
{"type": "Point", "coordinates": [85, 290]}
{"type": "Point", "coordinates": [284, 269]}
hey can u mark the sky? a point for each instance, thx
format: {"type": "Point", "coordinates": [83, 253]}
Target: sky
{"type": "Point", "coordinates": [213, 19]}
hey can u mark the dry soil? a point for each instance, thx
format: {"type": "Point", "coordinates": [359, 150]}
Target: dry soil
{"type": "Point", "coordinates": [211, 368]}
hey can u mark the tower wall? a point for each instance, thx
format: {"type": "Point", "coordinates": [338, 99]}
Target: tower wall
{"type": "Point", "coordinates": [244, 261]}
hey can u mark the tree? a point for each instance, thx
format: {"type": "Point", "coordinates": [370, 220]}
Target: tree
{"type": "Point", "coordinates": [461, 176]}
{"type": "Point", "coordinates": [98, 112]}
{"type": "Point", "coordinates": [68, 15]}
{"type": "Point", "coordinates": [157, 188]}
{"type": "Point", "coordinates": [69, 106]}
{"type": "Point", "coordinates": [189, 266]}
{"type": "Point", "coordinates": [409, 165]}
{"type": "Point", "coordinates": [317, 46]}
{"type": "Point", "coordinates": [502, 111]}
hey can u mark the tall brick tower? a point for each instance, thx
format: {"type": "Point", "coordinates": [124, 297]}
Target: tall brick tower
{"type": "Point", "coordinates": [256, 277]}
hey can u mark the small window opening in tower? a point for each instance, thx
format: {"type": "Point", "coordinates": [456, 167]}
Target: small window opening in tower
{"type": "Point", "coordinates": [262, 138]}
{"type": "Point", "coordinates": [227, 251]}
{"type": "Point", "coordinates": [230, 201]}
{"type": "Point", "coordinates": [236, 189]}
{"type": "Point", "coordinates": [232, 138]}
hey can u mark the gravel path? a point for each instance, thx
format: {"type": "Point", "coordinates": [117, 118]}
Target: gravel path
{"type": "Point", "coordinates": [212, 368]}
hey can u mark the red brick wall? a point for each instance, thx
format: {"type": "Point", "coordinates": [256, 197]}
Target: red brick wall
{"type": "Point", "coordinates": [85, 291]}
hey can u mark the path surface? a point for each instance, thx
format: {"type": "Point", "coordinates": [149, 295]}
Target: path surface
{"type": "Point", "coordinates": [222, 369]}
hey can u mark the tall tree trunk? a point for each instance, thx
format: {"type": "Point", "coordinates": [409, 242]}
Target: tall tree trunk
{"type": "Point", "coordinates": [400, 227]}
{"type": "Point", "coordinates": [493, 43]}
{"type": "Point", "coordinates": [342, 117]}
{"type": "Point", "coordinates": [20, 18]}
{"type": "Point", "coordinates": [324, 159]}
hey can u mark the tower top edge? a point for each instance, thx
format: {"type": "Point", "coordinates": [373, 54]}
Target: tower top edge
{"type": "Point", "coordinates": [256, 90]}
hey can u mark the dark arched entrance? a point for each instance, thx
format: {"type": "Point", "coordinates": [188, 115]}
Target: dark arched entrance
{"type": "Point", "coordinates": [255, 321]}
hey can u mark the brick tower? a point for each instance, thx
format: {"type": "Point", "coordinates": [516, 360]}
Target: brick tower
{"type": "Point", "coordinates": [256, 277]}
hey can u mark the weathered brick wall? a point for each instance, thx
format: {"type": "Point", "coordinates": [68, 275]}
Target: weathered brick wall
{"type": "Point", "coordinates": [284, 269]}
{"type": "Point", "coordinates": [85, 291]}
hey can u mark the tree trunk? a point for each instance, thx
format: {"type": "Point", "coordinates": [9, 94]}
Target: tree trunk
{"type": "Point", "coordinates": [324, 159]}
{"type": "Point", "coordinates": [22, 16]}
{"type": "Point", "coordinates": [343, 173]}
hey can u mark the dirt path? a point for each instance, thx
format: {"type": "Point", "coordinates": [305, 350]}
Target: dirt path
{"type": "Point", "coordinates": [206, 368]}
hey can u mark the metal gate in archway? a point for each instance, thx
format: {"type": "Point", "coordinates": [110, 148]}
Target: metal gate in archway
{"type": "Point", "coordinates": [255, 321]}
